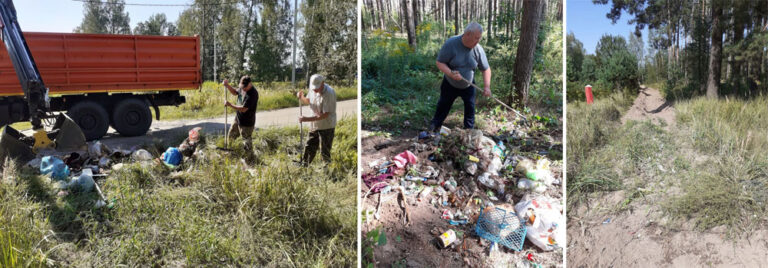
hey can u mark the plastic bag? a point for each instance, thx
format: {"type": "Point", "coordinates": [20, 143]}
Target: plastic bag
{"type": "Point", "coordinates": [54, 166]}
{"type": "Point", "coordinates": [404, 158]}
{"type": "Point", "coordinates": [488, 181]}
{"type": "Point", "coordinates": [544, 221]}
{"type": "Point", "coordinates": [141, 155]}
{"type": "Point", "coordinates": [172, 156]}
{"type": "Point", "coordinates": [83, 183]}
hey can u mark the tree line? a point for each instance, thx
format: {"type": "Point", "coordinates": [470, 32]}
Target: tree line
{"type": "Point", "coordinates": [702, 47]}
{"type": "Point", "coordinates": [251, 37]}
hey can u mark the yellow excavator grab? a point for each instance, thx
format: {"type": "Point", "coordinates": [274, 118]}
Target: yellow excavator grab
{"type": "Point", "coordinates": [64, 136]}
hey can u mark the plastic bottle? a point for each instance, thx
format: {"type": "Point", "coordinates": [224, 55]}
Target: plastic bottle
{"type": "Point", "coordinates": [439, 190]}
{"type": "Point", "coordinates": [450, 185]}
{"type": "Point", "coordinates": [425, 193]}
{"type": "Point", "coordinates": [485, 179]}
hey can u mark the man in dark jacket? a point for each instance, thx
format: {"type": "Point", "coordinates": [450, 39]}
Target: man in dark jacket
{"type": "Point", "coordinates": [245, 120]}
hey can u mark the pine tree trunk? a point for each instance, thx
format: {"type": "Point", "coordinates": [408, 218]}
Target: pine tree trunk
{"type": "Point", "coordinates": [456, 17]}
{"type": "Point", "coordinates": [408, 21]}
{"type": "Point", "coordinates": [415, 13]}
{"type": "Point", "coordinates": [532, 13]}
{"type": "Point", "coordinates": [715, 51]}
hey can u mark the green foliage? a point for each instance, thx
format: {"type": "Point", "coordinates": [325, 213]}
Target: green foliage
{"type": "Point", "coordinates": [613, 68]}
{"type": "Point", "coordinates": [728, 187]}
{"type": "Point", "coordinates": [401, 83]}
{"type": "Point", "coordinates": [575, 57]}
{"type": "Point", "coordinates": [157, 24]}
{"type": "Point", "coordinates": [104, 18]}
{"type": "Point", "coordinates": [216, 212]}
{"type": "Point", "coordinates": [273, 37]}
{"type": "Point", "coordinates": [591, 128]}
{"type": "Point", "coordinates": [330, 37]}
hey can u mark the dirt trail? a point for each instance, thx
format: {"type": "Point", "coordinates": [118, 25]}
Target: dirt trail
{"type": "Point", "coordinates": [637, 238]}
{"type": "Point", "coordinates": [650, 105]}
{"type": "Point", "coordinates": [163, 129]}
{"type": "Point", "coordinates": [600, 234]}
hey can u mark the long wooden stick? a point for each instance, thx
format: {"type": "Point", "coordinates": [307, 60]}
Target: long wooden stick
{"type": "Point", "coordinates": [301, 129]}
{"type": "Point", "coordinates": [497, 100]}
{"type": "Point", "coordinates": [226, 121]}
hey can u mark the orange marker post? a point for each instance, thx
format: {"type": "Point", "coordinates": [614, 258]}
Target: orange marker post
{"type": "Point", "coordinates": [588, 93]}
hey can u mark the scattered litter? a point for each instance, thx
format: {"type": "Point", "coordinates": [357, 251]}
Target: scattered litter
{"type": "Point", "coordinates": [82, 183]}
{"type": "Point", "coordinates": [607, 221]}
{"type": "Point", "coordinates": [544, 221]}
{"type": "Point", "coordinates": [425, 193]}
{"type": "Point", "coordinates": [96, 149]}
{"type": "Point", "coordinates": [502, 226]}
{"type": "Point", "coordinates": [445, 131]}
{"type": "Point", "coordinates": [172, 157]}
{"type": "Point", "coordinates": [471, 168]}
{"type": "Point", "coordinates": [54, 166]}
{"type": "Point", "coordinates": [535, 186]}
{"type": "Point", "coordinates": [447, 238]}
{"type": "Point", "coordinates": [141, 155]}
{"type": "Point", "coordinates": [405, 158]}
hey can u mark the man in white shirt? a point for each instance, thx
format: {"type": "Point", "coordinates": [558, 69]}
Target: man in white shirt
{"type": "Point", "coordinates": [322, 101]}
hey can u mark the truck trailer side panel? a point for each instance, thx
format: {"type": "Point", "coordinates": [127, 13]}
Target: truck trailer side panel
{"type": "Point", "coordinates": [72, 64]}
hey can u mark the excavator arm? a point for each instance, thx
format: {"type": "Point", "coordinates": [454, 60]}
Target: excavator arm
{"type": "Point", "coordinates": [35, 91]}
{"type": "Point", "coordinates": [36, 96]}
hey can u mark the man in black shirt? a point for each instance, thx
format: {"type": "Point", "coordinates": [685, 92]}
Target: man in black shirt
{"type": "Point", "coordinates": [245, 120]}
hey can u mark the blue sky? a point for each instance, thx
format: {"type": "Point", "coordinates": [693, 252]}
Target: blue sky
{"type": "Point", "coordinates": [65, 15]}
{"type": "Point", "coordinates": [588, 22]}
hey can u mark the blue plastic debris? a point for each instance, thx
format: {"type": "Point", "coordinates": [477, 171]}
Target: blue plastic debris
{"type": "Point", "coordinates": [172, 156]}
{"type": "Point", "coordinates": [54, 166]}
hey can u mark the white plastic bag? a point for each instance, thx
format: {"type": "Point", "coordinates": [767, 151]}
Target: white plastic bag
{"type": "Point", "coordinates": [547, 230]}
{"type": "Point", "coordinates": [141, 155]}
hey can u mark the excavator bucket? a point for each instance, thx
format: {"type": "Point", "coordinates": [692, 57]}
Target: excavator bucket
{"type": "Point", "coordinates": [12, 146]}
{"type": "Point", "coordinates": [67, 135]}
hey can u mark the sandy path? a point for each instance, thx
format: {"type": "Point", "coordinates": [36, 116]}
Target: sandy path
{"type": "Point", "coordinates": [650, 105]}
{"type": "Point", "coordinates": [641, 236]}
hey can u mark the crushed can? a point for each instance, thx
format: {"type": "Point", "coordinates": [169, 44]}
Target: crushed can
{"type": "Point", "coordinates": [447, 238]}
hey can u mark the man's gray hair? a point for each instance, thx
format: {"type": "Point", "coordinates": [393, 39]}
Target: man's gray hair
{"type": "Point", "coordinates": [473, 27]}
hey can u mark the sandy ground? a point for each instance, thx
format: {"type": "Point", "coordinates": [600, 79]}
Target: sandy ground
{"type": "Point", "coordinates": [414, 244]}
{"type": "Point", "coordinates": [601, 235]}
{"type": "Point", "coordinates": [176, 128]}
{"type": "Point", "coordinates": [650, 105]}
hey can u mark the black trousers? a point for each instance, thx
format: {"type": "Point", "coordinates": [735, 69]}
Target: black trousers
{"type": "Point", "coordinates": [448, 95]}
{"type": "Point", "coordinates": [318, 138]}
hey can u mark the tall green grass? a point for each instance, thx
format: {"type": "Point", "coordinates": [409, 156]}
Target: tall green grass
{"type": "Point", "coordinates": [590, 129]}
{"type": "Point", "coordinates": [715, 161]}
{"type": "Point", "coordinates": [729, 186]}
{"type": "Point", "coordinates": [209, 100]}
{"type": "Point", "coordinates": [216, 212]}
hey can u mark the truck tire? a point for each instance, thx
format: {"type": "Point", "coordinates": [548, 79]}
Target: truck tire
{"type": "Point", "coordinates": [131, 117]}
{"type": "Point", "coordinates": [92, 118]}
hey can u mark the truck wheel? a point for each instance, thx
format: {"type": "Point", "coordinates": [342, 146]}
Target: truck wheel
{"type": "Point", "coordinates": [132, 117]}
{"type": "Point", "coordinates": [92, 118]}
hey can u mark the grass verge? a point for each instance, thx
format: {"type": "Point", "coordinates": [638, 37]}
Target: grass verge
{"type": "Point", "coordinates": [217, 212]}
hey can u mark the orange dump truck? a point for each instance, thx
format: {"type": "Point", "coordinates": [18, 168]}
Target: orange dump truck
{"type": "Point", "coordinates": [104, 80]}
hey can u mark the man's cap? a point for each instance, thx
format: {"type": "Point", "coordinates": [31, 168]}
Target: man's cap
{"type": "Point", "coordinates": [315, 81]}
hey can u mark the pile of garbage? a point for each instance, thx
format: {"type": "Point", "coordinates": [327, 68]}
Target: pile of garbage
{"type": "Point", "coordinates": [481, 186]}
{"type": "Point", "coordinates": [74, 172]}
